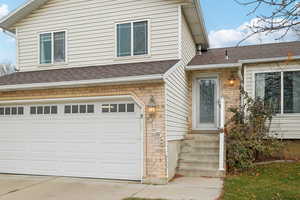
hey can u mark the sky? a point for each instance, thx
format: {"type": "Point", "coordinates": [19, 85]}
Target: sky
{"type": "Point", "coordinates": [226, 23]}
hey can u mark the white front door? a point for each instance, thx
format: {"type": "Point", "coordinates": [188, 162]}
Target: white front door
{"type": "Point", "coordinates": [207, 89]}
{"type": "Point", "coordinates": [81, 139]}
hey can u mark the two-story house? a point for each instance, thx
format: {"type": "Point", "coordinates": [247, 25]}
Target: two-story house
{"type": "Point", "coordinates": [129, 89]}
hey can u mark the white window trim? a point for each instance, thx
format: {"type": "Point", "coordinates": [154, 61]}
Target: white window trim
{"type": "Point", "coordinates": [133, 56]}
{"type": "Point", "coordinates": [52, 46]}
{"type": "Point", "coordinates": [195, 94]}
{"type": "Point", "coordinates": [282, 88]}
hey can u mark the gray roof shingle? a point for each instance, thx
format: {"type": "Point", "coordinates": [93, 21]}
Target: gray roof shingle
{"type": "Point", "coordinates": [88, 73]}
{"type": "Point", "coordinates": [217, 56]}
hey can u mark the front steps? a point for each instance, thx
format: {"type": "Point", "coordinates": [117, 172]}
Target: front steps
{"type": "Point", "coordinates": [199, 156]}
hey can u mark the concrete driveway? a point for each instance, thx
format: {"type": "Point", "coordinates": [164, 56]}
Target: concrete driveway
{"type": "Point", "coordinates": [19, 187]}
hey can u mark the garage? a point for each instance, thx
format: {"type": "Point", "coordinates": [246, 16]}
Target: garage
{"type": "Point", "coordinates": [97, 138]}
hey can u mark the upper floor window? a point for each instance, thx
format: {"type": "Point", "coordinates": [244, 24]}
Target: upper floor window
{"type": "Point", "coordinates": [52, 47]}
{"type": "Point", "coordinates": [132, 39]}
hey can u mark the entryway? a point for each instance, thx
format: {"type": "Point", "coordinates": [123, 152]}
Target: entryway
{"type": "Point", "coordinates": [206, 102]}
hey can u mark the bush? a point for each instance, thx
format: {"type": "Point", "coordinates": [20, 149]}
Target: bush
{"type": "Point", "coordinates": [248, 135]}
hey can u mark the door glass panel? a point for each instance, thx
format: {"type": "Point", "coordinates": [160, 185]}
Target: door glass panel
{"type": "Point", "coordinates": [207, 101]}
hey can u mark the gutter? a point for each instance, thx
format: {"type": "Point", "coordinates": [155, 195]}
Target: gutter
{"type": "Point", "coordinates": [212, 66]}
{"type": "Point", "coordinates": [84, 83]}
{"type": "Point", "coordinates": [240, 63]}
{"type": "Point", "coordinates": [263, 60]}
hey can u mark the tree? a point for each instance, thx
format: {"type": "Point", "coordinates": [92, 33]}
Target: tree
{"type": "Point", "coordinates": [284, 16]}
{"type": "Point", "coordinates": [7, 68]}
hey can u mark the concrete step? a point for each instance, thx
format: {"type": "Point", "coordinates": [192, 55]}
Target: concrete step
{"type": "Point", "coordinates": [203, 149]}
{"type": "Point", "coordinates": [192, 164]}
{"type": "Point", "coordinates": [199, 157]}
{"type": "Point", "coordinates": [207, 137]}
{"type": "Point", "coordinates": [199, 154]}
{"type": "Point", "coordinates": [201, 172]}
{"type": "Point", "coordinates": [193, 143]}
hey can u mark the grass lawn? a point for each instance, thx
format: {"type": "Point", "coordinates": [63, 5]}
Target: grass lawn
{"type": "Point", "coordinates": [280, 181]}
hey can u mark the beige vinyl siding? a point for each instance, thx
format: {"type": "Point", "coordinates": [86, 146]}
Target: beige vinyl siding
{"type": "Point", "coordinates": [285, 126]}
{"type": "Point", "coordinates": [177, 104]}
{"type": "Point", "coordinates": [90, 27]}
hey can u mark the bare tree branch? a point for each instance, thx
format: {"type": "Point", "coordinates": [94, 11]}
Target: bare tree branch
{"type": "Point", "coordinates": [284, 17]}
{"type": "Point", "coordinates": [7, 68]}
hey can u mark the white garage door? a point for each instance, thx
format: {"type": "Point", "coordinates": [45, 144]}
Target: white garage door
{"type": "Point", "coordinates": [83, 139]}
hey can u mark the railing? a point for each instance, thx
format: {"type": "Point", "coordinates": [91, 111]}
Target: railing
{"type": "Point", "coordinates": [222, 135]}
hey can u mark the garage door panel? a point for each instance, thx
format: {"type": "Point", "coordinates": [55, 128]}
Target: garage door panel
{"type": "Point", "coordinates": [99, 145]}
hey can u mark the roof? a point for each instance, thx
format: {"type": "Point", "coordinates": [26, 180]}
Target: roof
{"type": "Point", "coordinates": [88, 73]}
{"type": "Point", "coordinates": [236, 54]}
{"type": "Point", "coordinates": [192, 10]}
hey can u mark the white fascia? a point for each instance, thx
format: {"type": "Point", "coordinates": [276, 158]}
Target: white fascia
{"type": "Point", "coordinates": [240, 63]}
{"type": "Point", "coordinates": [83, 83]}
{"type": "Point", "coordinates": [212, 66]}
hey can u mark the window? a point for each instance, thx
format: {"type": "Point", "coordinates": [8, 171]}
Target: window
{"type": "Point", "coordinates": [67, 109]}
{"type": "Point", "coordinates": [130, 107]}
{"type": "Point", "coordinates": [291, 96]}
{"type": "Point", "coordinates": [53, 109]}
{"type": "Point", "coordinates": [275, 87]}
{"type": "Point", "coordinates": [45, 48]}
{"type": "Point", "coordinates": [268, 88]}
{"type": "Point", "coordinates": [40, 110]}
{"type": "Point", "coordinates": [132, 39]}
{"type": "Point", "coordinates": [82, 108]}
{"type": "Point", "coordinates": [33, 110]}
{"type": "Point", "coordinates": [47, 110]}
{"type": "Point", "coordinates": [7, 111]}
{"type": "Point", "coordinates": [121, 108]}
{"type": "Point", "coordinates": [20, 110]}
{"type": "Point", "coordinates": [113, 107]}
{"type": "Point", "coordinates": [12, 111]}
{"type": "Point", "coordinates": [105, 108]}
{"type": "Point", "coordinates": [1, 111]}
{"type": "Point", "coordinates": [52, 47]}
{"type": "Point", "coordinates": [76, 109]}
{"type": "Point", "coordinates": [90, 108]}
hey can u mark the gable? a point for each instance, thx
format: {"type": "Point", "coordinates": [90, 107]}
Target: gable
{"type": "Point", "coordinates": [192, 10]}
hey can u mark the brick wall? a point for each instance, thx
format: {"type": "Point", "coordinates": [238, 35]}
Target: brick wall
{"type": "Point", "coordinates": [230, 93]}
{"type": "Point", "coordinates": [155, 166]}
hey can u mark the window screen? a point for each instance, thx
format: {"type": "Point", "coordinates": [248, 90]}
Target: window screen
{"type": "Point", "coordinates": [59, 47]}
{"type": "Point", "coordinates": [45, 48]}
{"type": "Point", "coordinates": [124, 39]}
{"type": "Point", "coordinates": [140, 38]}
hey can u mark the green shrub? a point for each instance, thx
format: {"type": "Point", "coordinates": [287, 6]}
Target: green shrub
{"type": "Point", "coordinates": [248, 135]}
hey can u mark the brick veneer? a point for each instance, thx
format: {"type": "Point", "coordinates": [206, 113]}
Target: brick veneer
{"type": "Point", "coordinates": [155, 166]}
{"type": "Point", "coordinates": [230, 93]}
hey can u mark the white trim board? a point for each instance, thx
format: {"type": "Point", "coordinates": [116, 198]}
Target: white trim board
{"type": "Point", "coordinates": [123, 80]}
{"type": "Point", "coordinates": [240, 63]}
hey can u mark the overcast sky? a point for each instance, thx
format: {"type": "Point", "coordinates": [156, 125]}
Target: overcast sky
{"type": "Point", "coordinates": [226, 23]}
